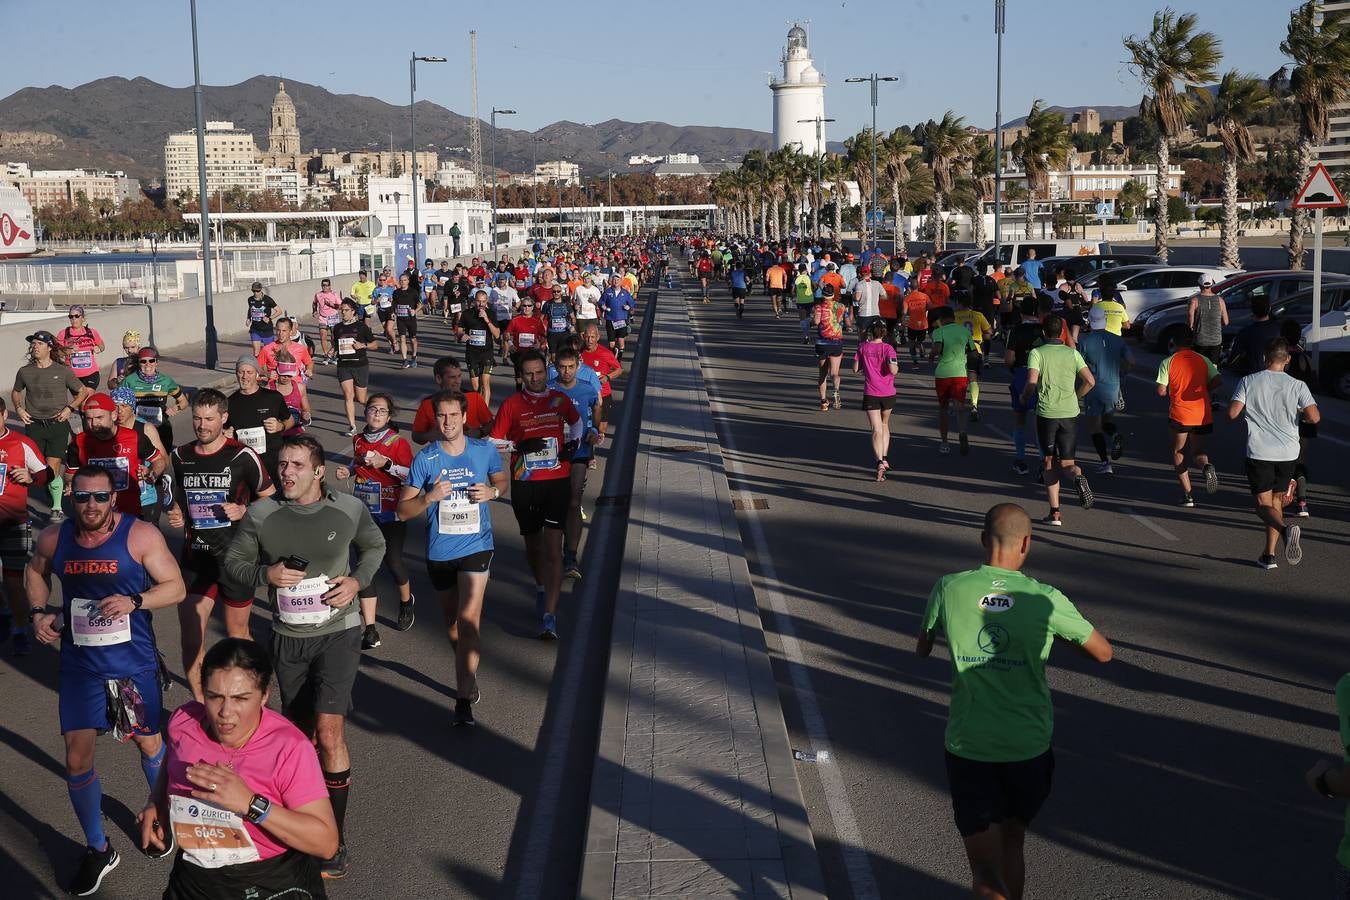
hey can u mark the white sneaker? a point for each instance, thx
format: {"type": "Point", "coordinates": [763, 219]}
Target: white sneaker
{"type": "Point", "coordinates": [1104, 468]}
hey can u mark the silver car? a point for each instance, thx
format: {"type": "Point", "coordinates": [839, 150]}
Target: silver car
{"type": "Point", "coordinates": [1148, 287]}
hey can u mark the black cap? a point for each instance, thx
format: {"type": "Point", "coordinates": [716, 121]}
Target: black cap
{"type": "Point", "coordinates": [45, 336]}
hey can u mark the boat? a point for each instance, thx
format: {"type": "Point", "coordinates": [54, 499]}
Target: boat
{"type": "Point", "coordinates": [17, 233]}
{"type": "Point", "coordinates": [95, 250]}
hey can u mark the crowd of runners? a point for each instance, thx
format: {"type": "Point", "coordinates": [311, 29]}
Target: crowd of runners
{"type": "Point", "coordinates": [251, 802]}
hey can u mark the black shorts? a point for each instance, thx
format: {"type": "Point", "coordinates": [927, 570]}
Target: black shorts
{"type": "Point", "coordinates": [52, 437]}
{"type": "Point", "coordinates": [974, 361]}
{"type": "Point", "coordinates": [16, 545]}
{"type": "Point", "coordinates": [407, 325]}
{"type": "Point", "coordinates": [541, 504]}
{"type": "Point", "coordinates": [988, 793]}
{"type": "Point", "coordinates": [358, 374]}
{"type": "Point", "coordinates": [1265, 475]}
{"type": "Point", "coordinates": [605, 403]}
{"type": "Point", "coordinates": [556, 341]}
{"type": "Point", "coordinates": [1207, 428]}
{"type": "Point", "coordinates": [502, 325]}
{"type": "Point", "coordinates": [90, 381]}
{"type": "Point", "coordinates": [1058, 437]}
{"type": "Point", "coordinates": [917, 334]}
{"type": "Point", "coordinates": [616, 331]}
{"type": "Point", "coordinates": [878, 402]}
{"type": "Point", "coordinates": [479, 362]}
{"type": "Point", "coordinates": [831, 349]}
{"type": "Point", "coordinates": [315, 674]}
{"type": "Point", "coordinates": [384, 314]}
{"type": "Point", "coordinates": [739, 293]}
{"type": "Point", "coordinates": [209, 581]}
{"type": "Point", "coordinates": [444, 573]}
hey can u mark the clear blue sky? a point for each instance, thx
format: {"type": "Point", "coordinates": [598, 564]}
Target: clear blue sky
{"type": "Point", "coordinates": [690, 63]}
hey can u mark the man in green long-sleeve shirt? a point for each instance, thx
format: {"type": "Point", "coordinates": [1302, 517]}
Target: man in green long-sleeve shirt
{"type": "Point", "coordinates": [300, 547]}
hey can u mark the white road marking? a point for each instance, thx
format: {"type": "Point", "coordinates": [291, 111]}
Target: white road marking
{"type": "Point", "coordinates": [847, 832]}
{"type": "Point", "coordinates": [1150, 524]}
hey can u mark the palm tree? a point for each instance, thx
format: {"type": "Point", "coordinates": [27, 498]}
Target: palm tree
{"type": "Point", "coordinates": [836, 175]}
{"type": "Point", "coordinates": [755, 164]}
{"type": "Point", "coordinates": [980, 166]}
{"type": "Point", "coordinates": [944, 142]}
{"type": "Point", "coordinates": [791, 173]}
{"type": "Point", "coordinates": [858, 152]}
{"type": "Point", "coordinates": [912, 189]}
{"type": "Point", "coordinates": [1237, 101]}
{"type": "Point", "coordinates": [1172, 52]}
{"type": "Point", "coordinates": [1043, 147]}
{"type": "Point", "coordinates": [1132, 196]}
{"type": "Point", "coordinates": [1319, 80]}
{"type": "Point", "coordinates": [815, 189]}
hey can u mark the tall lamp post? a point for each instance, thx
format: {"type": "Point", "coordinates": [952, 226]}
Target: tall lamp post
{"type": "Point", "coordinates": [1000, 11]}
{"type": "Point", "coordinates": [412, 129]}
{"type": "Point", "coordinates": [819, 154]}
{"type": "Point", "coordinates": [154, 261]}
{"type": "Point", "coordinates": [202, 201]}
{"type": "Point", "coordinates": [496, 112]}
{"type": "Point", "coordinates": [534, 175]}
{"type": "Point", "coordinates": [873, 79]}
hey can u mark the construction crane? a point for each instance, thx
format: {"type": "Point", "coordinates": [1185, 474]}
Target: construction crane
{"type": "Point", "coordinates": [475, 132]}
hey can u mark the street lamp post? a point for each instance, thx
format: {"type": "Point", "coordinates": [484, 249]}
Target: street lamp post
{"type": "Point", "coordinates": [1000, 10]}
{"type": "Point", "coordinates": [496, 112]}
{"type": "Point", "coordinates": [534, 176]}
{"type": "Point", "coordinates": [310, 235]}
{"type": "Point", "coordinates": [873, 79]}
{"type": "Point", "coordinates": [819, 154]}
{"type": "Point", "coordinates": [398, 210]}
{"type": "Point", "coordinates": [154, 261]}
{"type": "Point", "coordinates": [412, 128]}
{"type": "Point", "coordinates": [202, 201]}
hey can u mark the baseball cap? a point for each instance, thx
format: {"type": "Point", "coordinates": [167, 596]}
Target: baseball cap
{"type": "Point", "coordinates": [1096, 318]}
{"type": "Point", "coordinates": [1207, 281]}
{"type": "Point", "coordinates": [45, 336]}
{"type": "Point", "coordinates": [100, 400]}
{"type": "Point", "coordinates": [257, 286]}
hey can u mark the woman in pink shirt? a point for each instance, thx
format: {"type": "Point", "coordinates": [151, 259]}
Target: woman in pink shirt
{"type": "Point", "coordinates": [876, 361]}
{"type": "Point", "coordinates": [240, 794]}
{"type": "Point", "coordinates": [81, 343]}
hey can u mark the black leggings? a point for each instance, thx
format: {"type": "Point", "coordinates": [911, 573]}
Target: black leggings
{"type": "Point", "coordinates": [394, 534]}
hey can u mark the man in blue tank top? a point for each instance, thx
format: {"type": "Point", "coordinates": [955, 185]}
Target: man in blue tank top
{"type": "Point", "coordinates": [113, 569]}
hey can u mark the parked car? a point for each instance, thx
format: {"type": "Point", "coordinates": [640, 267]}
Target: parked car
{"type": "Point", "coordinates": [1141, 289]}
{"type": "Point", "coordinates": [1120, 272]}
{"type": "Point", "coordinates": [1334, 367]}
{"type": "Point", "coordinates": [1013, 252]}
{"type": "Point", "coordinates": [1335, 298]}
{"type": "Point", "coordinates": [1079, 266]}
{"type": "Point", "coordinates": [1159, 325]}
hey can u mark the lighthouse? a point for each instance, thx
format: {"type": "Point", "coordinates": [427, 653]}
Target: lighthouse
{"type": "Point", "coordinates": [799, 94]}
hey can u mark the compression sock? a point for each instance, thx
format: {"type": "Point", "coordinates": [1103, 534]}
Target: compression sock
{"type": "Point", "coordinates": [1020, 442]}
{"type": "Point", "coordinates": [1110, 428]}
{"type": "Point", "coordinates": [150, 766]}
{"type": "Point", "coordinates": [57, 487]}
{"type": "Point", "coordinates": [1099, 441]}
{"type": "Point", "coordinates": [975, 393]}
{"type": "Point", "coordinates": [86, 795]}
{"type": "Point", "coordinates": [339, 786]}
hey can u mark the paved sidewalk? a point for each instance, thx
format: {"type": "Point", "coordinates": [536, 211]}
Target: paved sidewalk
{"type": "Point", "coordinates": [695, 791]}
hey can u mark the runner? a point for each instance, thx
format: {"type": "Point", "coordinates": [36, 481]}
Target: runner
{"type": "Point", "coordinates": [1186, 378]}
{"type": "Point", "coordinates": [288, 341]}
{"type": "Point", "coordinates": [125, 417]}
{"type": "Point", "coordinates": [829, 318]}
{"type": "Point", "coordinates": [240, 790]}
{"type": "Point", "coordinates": [406, 307]}
{"type": "Point", "coordinates": [131, 348]}
{"type": "Point", "coordinates": [480, 333]}
{"type": "Point", "coordinates": [362, 291]}
{"type": "Point", "coordinates": [1208, 316]}
{"type": "Point", "coordinates": [587, 300]}
{"type": "Point", "coordinates": [352, 341]}
{"type": "Point", "coordinates": [300, 547]}
{"type": "Point", "coordinates": [258, 317]}
{"type": "Point", "coordinates": [158, 397]}
{"type": "Point", "coordinates": [919, 313]}
{"type": "Point", "coordinates": [215, 478]}
{"type": "Point", "coordinates": [867, 296]}
{"type": "Point", "coordinates": [558, 318]}
{"type": "Point", "coordinates": [804, 294]}
{"type": "Point", "coordinates": [585, 396]}
{"type": "Point", "coordinates": [1110, 359]}
{"type": "Point", "coordinates": [452, 483]}
{"type": "Point", "coordinates": [616, 303]}
{"type": "Point", "coordinates": [739, 280]}
{"type": "Point", "coordinates": [704, 268]}
{"type": "Point", "coordinates": [45, 395]}
{"type": "Point", "coordinates": [979, 329]}
{"type": "Point", "coordinates": [128, 455]}
{"type": "Point", "coordinates": [383, 297]}
{"type": "Point", "coordinates": [21, 467]}
{"type": "Point", "coordinates": [325, 310]}
{"type": "Point", "coordinates": [1000, 625]}
{"type": "Point", "coordinates": [1300, 367]}
{"type": "Point", "coordinates": [81, 343]}
{"type": "Point", "coordinates": [877, 362]}
{"type": "Point", "coordinates": [1274, 403]}
{"type": "Point", "coordinates": [775, 282]}
{"type": "Point", "coordinates": [606, 367]}
{"type": "Point", "coordinates": [1106, 298]}
{"type": "Point", "coordinates": [381, 458]}
{"type": "Point", "coordinates": [448, 376]}
{"type": "Point", "coordinates": [258, 415]}
{"type": "Point", "coordinates": [503, 299]}
{"type": "Point", "coordinates": [951, 345]}
{"type": "Point", "coordinates": [1059, 378]}
{"type": "Point", "coordinates": [543, 427]}
{"type": "Point", "coordinates": [113, 570]}
{"type": "Point", "coordinates": [291, 387]}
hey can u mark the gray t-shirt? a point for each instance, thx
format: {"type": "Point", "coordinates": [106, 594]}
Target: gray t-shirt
{"type": "Point", "coordinates": [1273, 401]}
{"type": "Point", "coordinates": [47, 389]}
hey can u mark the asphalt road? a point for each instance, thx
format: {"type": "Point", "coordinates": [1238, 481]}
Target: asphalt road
{"type": "Point", "coordinates": [435, 811]}
{"type": "Point", "coordinates": [1180, 763]}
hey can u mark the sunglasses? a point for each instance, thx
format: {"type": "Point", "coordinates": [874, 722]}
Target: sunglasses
{"type": "Point", "coordinates": [150, 360]}
{"type": "Point", "coordinates": [83, 497]}
{"type": "Point", "coordinates": [75, 316]}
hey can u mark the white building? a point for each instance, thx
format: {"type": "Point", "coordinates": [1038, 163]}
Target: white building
{"type": "Point", "coordinates": [642, 159]}
{"type": "Point", "coordinates": [283, 181]}
{"type": "Point", "coordinates": [17, 170]}
{"type": "Point", "coordinates": [799, 95]}
{"type": "Point", "coordinates": [557, 170]}
{"type": "Point", "coordinates": [454, 176]}
{"type": "Point", "coordinates": [390, 201]}
{"type": "Point", "coordinates": [682, 159]}
{"type": "Point", "coordinates": [1335, 154]}
{"type": "Point", "coordinates": [232, 160]}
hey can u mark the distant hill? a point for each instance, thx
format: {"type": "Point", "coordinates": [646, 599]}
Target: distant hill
{"type": "Point", "coordinates": [121, 123]}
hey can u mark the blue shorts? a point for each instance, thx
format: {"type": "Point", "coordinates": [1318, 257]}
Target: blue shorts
{"type": "Point", "coordinates": [1101, 400]}
{"type": "Point", "coordinates": [83, 700]}
{"type": "Point", "coordinates": [263, 339]}
{"type": "Point", "coordinates": [1016, 387]}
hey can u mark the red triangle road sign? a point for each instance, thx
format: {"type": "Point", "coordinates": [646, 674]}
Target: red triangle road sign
{"type": "Point", "coordinates": [1319, 191]}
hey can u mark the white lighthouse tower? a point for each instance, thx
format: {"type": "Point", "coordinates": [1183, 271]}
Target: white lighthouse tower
{"type": "Point", "coordinates": [799, 94]}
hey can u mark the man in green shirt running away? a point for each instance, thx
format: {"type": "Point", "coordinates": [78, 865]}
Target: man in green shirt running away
{"type": "Point", "coordinates": [1058, 377]}
{"type": "Point", "coordinates": [1332, 782]}
{"type": "Point", "coordinates": [1000, 625]}
{"type": "Point", "coordinates": [951, 343]}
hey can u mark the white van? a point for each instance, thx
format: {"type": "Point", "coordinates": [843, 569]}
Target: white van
{"type": "Point", "coordinates": [1012, 252]}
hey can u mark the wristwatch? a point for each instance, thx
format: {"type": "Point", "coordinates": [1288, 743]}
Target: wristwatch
{"type": "Point", "coordinates": [258, 808]}
{"type": "Point", "coordinates": [37, 611]}
{"type": "Point", "coordinates": [496, 492]}
{"type": "Point", "coordinates": [136, 601]}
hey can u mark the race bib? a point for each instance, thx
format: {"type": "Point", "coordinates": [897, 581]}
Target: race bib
{"type": "Point", "coordinates": [149, 413]}
{"type": "Point", "coordinates": [89, 629]}
{"type": "Point", "coordinates": [403, 311]}
{"type": "Point", "coordinates": [254, 439]}
{"type": "Point", "coordinates": [4, 477]}
{"type": "Point", "coordinates": [119, 466]}
{"type": "Point", "coordinates": [478, 337]}
{"type": "Point", "coordinates": [457, 514]}
{"type": "Point", "coordinates": [255, 314]}
{"type": "Point", "coordinates": [331, 320]}
{"type": "Point", "coordinates": [209, 836]}
{"type": "Point", "coordinates": [369, 493]}
{"type": "Point", "coordinates": [206, 509]}
{"type": "Point", "coordinates": [385, 303]}
{"type": "Point", "coordinates": [558, 323]}
{"type": "Point", "coordinates": [303, 603]}
{"type": "Point", "coordinates": [544, 459]}
{"type": "Point", "coordinates": [82, 359]}
{"type": "Point", "coordinates": [526, 339]}
{"type": "Point", "coordinates": [346, 346]}
{"type": "Point", "coordinates": [455, 308]}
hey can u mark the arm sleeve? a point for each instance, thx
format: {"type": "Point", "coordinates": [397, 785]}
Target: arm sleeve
{"type": "Point", "coordinates": [1240, 392]}
{"type": "Point", "coordinates": [1305, 397]}
{"type": "Point", "coordinates": [243, 562]}
{"type": "Point", "coordinates": [932, 614]}
{"type": "Point", "coordinates": [1066, 621]}
{"type": "Point", "coordinates": [369, 545]}
{"type": "Point", "coordinates": [73, 384]}
{"type": "Point", "coordinates": [1163, 369]}
{"type": "Point", "coordinates": [1211, 370]}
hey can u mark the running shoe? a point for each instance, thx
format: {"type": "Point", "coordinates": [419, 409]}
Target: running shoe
{"type": "Point", "coordinates": [1020, 467]}
{"type": "Point", "coordinates": [1053, 518]}
{"type": "Point", "coordinates": [415, 365]}
{"type": "Point", "coordinates": [944, 448]}
{"type": "Point", "coordinates": [406, 615]}
{"type": "Point", "coordinates": [1105, 468]}
{"type": "Point", "coordinates": [824, 405]}
{"type": "Point", "coordinates": [570, 567]}
{"type": "Point", "coordinates": [406, 364]}
{"type": "Point", "coordinates": [20, 643]}
{"type": "Point", "coordinates": [94, 867]}
{"type": "Point", "coordinates": [1117, 445]}
{"type": "Point", "coordinates": [337, 866]}
{"type": "Point", "coordinates": [1303, 509]}
{"type": "Point", "coordinates": [464, 714]}
{"type": "Point", "coordinates": [550, 632]}
{"type": "Point", "coordinates": [58, 516]}
{"type": "Point", "coordinates": [974, 414]}
{"type": "Point", "coordinates": [1293, 550]}
{"type": "Point", "coordinates": [1212, 479]}
{"type": "Point", "coordinates": [350, 432]}
{"type": "Point", "coordinates": [965, 444]}
{"type": "Point", "coordinates": [1267, 561]}
{"type": "Point", "coordinates": [370, 638]}
{"type": "Point", "coordinates": [1085, 496]}
{"type": "Point", "coordinates": [1187, 501]}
